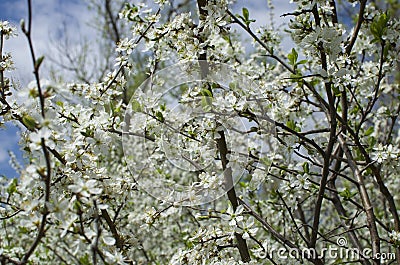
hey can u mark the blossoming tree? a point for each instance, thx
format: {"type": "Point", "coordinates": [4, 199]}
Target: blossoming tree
{"type": "Point", "coordinates": [222, 156]}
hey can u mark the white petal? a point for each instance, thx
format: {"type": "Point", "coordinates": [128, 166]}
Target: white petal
{"type": "Point", "coordinates": [239, 209]}
{"type": "Point", "coordinates": [108, 240]}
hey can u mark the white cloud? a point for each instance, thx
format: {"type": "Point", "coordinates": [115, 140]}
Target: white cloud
{"type": "Point", "coordinates": [50, 16]}
{"type": "Point", "coordinates": [48, 20]}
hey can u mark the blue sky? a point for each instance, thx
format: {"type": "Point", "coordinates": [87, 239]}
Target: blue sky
{"type": "Point", "coordinates": [48, 17]}
{"type": "Point", "coordinates": [9, 142]}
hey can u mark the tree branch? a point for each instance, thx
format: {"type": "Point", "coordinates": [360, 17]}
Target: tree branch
{"type": "Point", "coordinates": [365, 200]}
{"type": "Point", "coordinates": [358, 26]}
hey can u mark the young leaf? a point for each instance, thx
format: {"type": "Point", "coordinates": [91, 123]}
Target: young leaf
{"type": "Point", "coordinates": [245, 17]}
{"type": "Point", "coordinates": [336, 91]}
{"type": "Point", "coordinates": [38, 62]}
{"type": "Point", "coordinates": [306, 167]}
{"type": "Point", "coordinates": [293, 57]}
{"type": "Point", "coordinates": [12, 187]}
{"type": "Point", "coordinates": [245, 13]}
{"type": "Point", "coordinates": [136, 106]}
{"type": "Point", "coordinates": [369, 131]}
{"type": "Point", "coordinates": [378, 27]}
{"type": "Point", "coordinates": [291, 125]}
{"type": "Point", "coordinates": [160, 116]}
{"type": "Point", "coordinates": [207, 93]}
{"type": "Point", "coordinates": [302, 62]}
{"type": "Point", "coordinates": [29, 122]}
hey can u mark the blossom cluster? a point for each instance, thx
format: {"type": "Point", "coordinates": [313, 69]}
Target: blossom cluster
{"type": "Point", "coordinates": [220, 155]}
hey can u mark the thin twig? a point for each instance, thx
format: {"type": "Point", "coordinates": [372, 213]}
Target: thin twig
{"type": "Point", "coordinates": [358, 26]}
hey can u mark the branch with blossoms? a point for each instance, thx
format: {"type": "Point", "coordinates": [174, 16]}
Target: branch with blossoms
{"type": "Point", "coordinates": [303, 143]}
{"type": "Point", "coordinates": [330, 108]}
{"type": "Point", "coordinates": [221, 141]}
{"type": "Point", "coordinates": [46, 176]}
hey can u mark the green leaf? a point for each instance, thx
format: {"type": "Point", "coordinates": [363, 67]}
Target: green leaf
{"type": "Point", "coordinates": [369, 131]}
{"type": "Point", "coordinates": [245, 13]}
{"type": "Point", "coordinates": [29, 122]}
{"type": "Point", "coordinates": [371, 143]}
{"type": "Point", "coordinates": [355, 110]}
{"type": "Point", "coordinates": [160, 116]}
{"type": "Point", "coordinates": [302, 62]}
{"type": "Point", "coordinates": [306, 167]}
{"type": "Point", "coordinates": [206, 103]}
{"type": "Point", "coordinates": [88, 133]}
{"type": "Point", "coordinates": [245, 17]}
{"type": "Point", "coordinates": [233, 85]}
{"type": "Point", "coordinates": [39, 62]}
{"type": "Point", "coordinates": [136, 106]}
{"type": "Point", "coordinates": [207, 93]}
{"type": "Point", "coordinates": [379, 26]}
{"type": "Point", "coordinates": [253, 129]}
{"type": "Point", "coordinates": [336, 91]}
{"type": "Point", "coordinates": [296, 76]}
{"type": "Point", "coordinates": [206, 99]}
{"type": "Point", "coordinates": [163, 107]}
{"type": "Point", "coordinates": [12, 187]}
{"type": "Point", "coordinates": [293, 57]}
{"type": "Point", "coordinates": [315, 82]}
{"type": "Point", "coordinates": [291, 125]}
{"type": "Point", "coordinates": [347, 195]}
